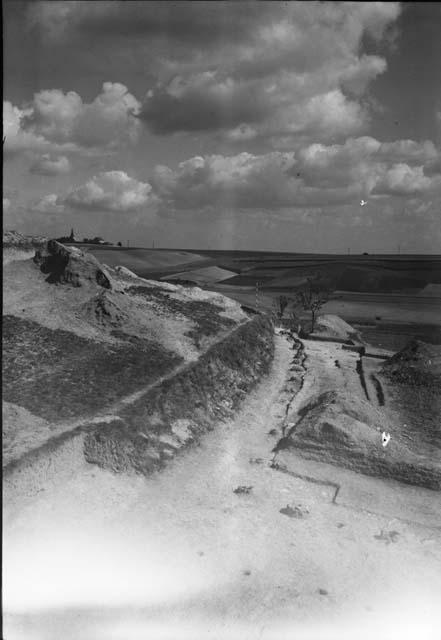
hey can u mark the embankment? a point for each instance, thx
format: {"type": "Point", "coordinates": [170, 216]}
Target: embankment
{"type": "Point", "coordinates": [336, 420]}
{"type": "Point", "coordinates": [169, 417]}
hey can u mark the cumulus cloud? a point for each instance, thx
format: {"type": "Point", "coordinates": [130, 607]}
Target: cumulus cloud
{"type": "Point", "coordinates": [294, 69]}
{"type": "Point", "coordinates": [315, 175]}
{"type": "Point", "coordinates": [365, 161]}
{"type": "Point", "coordinates": [47, 165]}
{"type": "Point", "coordinates": [49, 204]}
{"type": "Point", "coordinates": [111, 191]}
{"type": "Point", "coordinates": [206, 101]}
{"type": "Point", "coordinates": [401, 179]}
{"type": "Point", "coordinates": [202, 101]}
{"type": "Point", "coordinates": [56, 121]}
{"type": "Point", "coordinates": [298, 73]}
{"type": "Point", "coordinates": [210, 25]}
{"type": "Point", "coordinates": [18, 139]}
{"type": "Point", "coordinates": [243, 181]}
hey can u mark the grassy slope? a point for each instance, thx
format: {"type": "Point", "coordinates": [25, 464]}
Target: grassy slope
{"type": "Point", "coordinates": [207, 318]}
{"type": "Point", "coordinates": [56, 374]}
{"type": "Point", "coordinates": [70, 352]}
{"type": "Point", "coordinates": [143, 260]}
{"type": "Point", "coordinates": [174, 414]}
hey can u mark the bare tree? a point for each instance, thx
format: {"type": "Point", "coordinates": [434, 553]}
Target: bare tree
{"type": "Point", "coordinates": [312, 298]}
{"type": "Point", "coordinates": [280, 304]}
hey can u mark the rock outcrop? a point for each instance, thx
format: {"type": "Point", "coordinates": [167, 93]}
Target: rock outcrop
{"type": "Point", "coordinates": [70, 265]}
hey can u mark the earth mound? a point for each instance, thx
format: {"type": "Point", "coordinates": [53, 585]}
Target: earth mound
{"type": "Point", "coordinates": [333, 326]}
{"type": "Point", "coordinates": [70, 265]}
{"type": "Point", "coordinates": [419, 363]}
{"type": "Point", "coordinates": [341, 429]}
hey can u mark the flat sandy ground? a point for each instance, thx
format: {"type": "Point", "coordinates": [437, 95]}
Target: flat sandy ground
{"type": "Point", "coordinates": [180, 555]}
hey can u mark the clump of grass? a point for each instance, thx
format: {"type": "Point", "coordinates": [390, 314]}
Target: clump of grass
{"type": "Point", "coordinates": [56, 374]}
{"type": "Point", "coordinates": [205, 315]}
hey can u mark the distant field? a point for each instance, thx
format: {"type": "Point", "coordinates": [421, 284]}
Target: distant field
{"type": "Point", "coordinates": [362, 273]}
{"type": "Point", "coordinates": [396, 336]}
{"type": "Point", "coordinates": [284, 272]}
{"type": "Point", "coordinates": [144, 261]}
{"type": "Point", "coordinates": [389, 290]}
{"type": "Point", "coordinates": [202, 276]}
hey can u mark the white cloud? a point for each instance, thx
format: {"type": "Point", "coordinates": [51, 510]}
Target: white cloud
{"type": "Point", "coordinates": [326, 115]}
{"type": "Point", "coordinates": [366, 161]}
{"type": "Point", "coordinates": [401, 179]}
{"type": "Point", "coordinates": [52, 115]}
{"type": "Point", "coordinates": [47, 165]}
{"type": "Point", "coordinates": [242, 181]}
{"type": "Point", "coordinates": [49, 204]}
{"type": "Point", "coordinates": [6, 204]}
{"type": "Point", "coordinates": [111, 191]}
{"type": "Point", "coordinates": [410, 151]}
{"type": "Point", "coordinates": [315, 175]}
{"type": "Point", "coordinates": [109, 120]}
{"type": "Point", "coordinates": [295, 69]}
{"type": "Point", "coordinates": [56, 121]}
{"type": "Point", "coordinates": [289, 76]}
{"type": "Point", "coordinates": [17, 138]}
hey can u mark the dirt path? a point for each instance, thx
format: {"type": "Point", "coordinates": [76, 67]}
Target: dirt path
{"type": "Point", "coordinates": [181, 555]}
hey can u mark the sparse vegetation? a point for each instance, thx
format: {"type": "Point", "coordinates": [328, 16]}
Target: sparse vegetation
{"type": "Point", "coordinates": [280, 305]}
{"type": "Point", "coordinates": [205, 315]}
{"type": "Point", "coordinates": [56, 374]}
{"type": "Point", "coordinates": [312, 298]}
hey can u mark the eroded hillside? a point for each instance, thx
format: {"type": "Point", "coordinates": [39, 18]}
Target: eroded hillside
{"type": "Point", "coordinates": [83, 342]}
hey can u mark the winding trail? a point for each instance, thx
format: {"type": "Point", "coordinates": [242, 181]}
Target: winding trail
{"type": "Point", "coordinates": [180, 555]}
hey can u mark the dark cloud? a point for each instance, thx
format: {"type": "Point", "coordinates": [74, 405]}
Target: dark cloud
{"type": "Point", "coordinates": [209, 23]}
{"type": "Point", "coordinates": [202, 102]}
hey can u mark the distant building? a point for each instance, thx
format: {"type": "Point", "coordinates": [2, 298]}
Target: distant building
{"type": "Point", "coordinates": [70, 238]}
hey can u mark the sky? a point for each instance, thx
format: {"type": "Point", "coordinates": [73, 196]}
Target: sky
{"type": "Point", "coordinates": [225, 125]}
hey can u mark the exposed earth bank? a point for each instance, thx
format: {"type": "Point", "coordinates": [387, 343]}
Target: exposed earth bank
{"type": "Point", "coordinates": [125, 370]}
{"type": "Point", "coordinates": [348, 401]}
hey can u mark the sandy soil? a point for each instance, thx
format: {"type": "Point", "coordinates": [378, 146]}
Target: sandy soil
{"type": "Point", "coordinates": [181, 555]}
